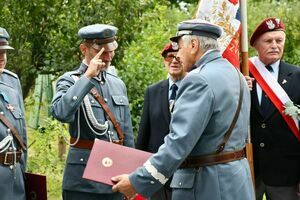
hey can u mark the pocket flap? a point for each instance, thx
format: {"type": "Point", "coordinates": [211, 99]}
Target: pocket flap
{"type": "Point", "coordinates": [16, 112]}
{"type": "Point", "coordinates": [120, 100]}
{"type": "Point", "coordinates": [183, 179]}
{"type": "Point", "coordinates": [78, 156]}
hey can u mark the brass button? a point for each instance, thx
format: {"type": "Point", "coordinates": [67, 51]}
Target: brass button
{"type": "Point", "coordinates": [263, 125]}
{"type": "Point", "coordinates": [262, 144]}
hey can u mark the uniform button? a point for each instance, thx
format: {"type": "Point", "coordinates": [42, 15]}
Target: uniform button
{"type": "Point", "coordinates": [263, 125]}
{"type": "Point", "coordinates": [2, 113]}
{"type": "Point", "coordinates": [105, 99]}
{"type": "Point", "coordinates": [92, 101]}
{"type": "Point", "coordinates": [20, 114]}
{"type": "Point", "coordinates": [262, 144]}
{"type": "Point", "coordinates": [101, 82]}
{"type": "Point", "coordinates": [75, 98]}
{"type": "Point", "coordinates": [152, 182]}
{"type": "Point", "coordinates": [81, 159]}
{"type": "Point", "coordinates": [11, 167]}
{"type": "Point", "coordinates": [121, 101]}
{"type": "Point", "coordinates": [180, 183]}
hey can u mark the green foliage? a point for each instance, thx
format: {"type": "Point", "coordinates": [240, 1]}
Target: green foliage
{"type": "Point", "coordinates": [142, 63]}
{"type": "Point", "coordinates": [286, 11]}
{"type": "Point", "coordinates": [43, 155]}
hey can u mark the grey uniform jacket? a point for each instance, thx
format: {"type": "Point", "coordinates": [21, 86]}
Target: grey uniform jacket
{"type": "Point", "coordinates": [67, 107]}
{"type": "Point", "coordinates": [206, 102]}
{"type": "Point", "coordinates": [12, 181]}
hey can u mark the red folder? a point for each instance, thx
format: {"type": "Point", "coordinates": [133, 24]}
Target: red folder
{"type": "Point", "coordinates": [36, 186]}
{"type": "Point", "coordinates": [108, 159]}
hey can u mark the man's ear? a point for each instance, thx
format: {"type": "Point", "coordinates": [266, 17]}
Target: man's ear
{"type": "Point", "coordinates": [83, 48]}
{"type": "Point", "coordinates": [194, 46]}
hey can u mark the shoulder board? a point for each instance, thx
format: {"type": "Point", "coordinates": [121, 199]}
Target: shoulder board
{"type": "Point", "coordinates": [76, 72]}
{"type": "Point", "coordinates": [10, 73]}
{"type": "Point", "coordinates": [107, 73]}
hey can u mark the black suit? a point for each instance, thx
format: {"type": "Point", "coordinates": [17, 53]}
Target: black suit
{"type": "Point", "coordinates": [276, 149]}
{"type": "Point", "coordinates": [154, 125]}
{"type": "Point", "coordinates": [155, 120]}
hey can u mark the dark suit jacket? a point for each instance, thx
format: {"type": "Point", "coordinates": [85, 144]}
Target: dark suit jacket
{"type": "Point", "coordinates": [276, 149]}
{"type": "Point", "coordinates": [155, 120]}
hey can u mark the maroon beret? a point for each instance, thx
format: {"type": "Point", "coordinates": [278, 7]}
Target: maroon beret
{"type": "Point", "coordinates": [269, 24]}
{"type": "Point", "coordinates": [171, 47]}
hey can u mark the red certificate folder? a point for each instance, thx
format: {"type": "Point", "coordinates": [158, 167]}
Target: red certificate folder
{"type": "Point", "coordinates": [108, 159]}
{"type": "Point", "coordinates": [36, 186]}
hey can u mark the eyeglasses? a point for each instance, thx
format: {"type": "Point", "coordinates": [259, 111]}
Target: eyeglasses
{"type": "Point", "coordinates": [169, 58]}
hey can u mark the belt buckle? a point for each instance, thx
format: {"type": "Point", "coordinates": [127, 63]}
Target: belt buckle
{"type": "Point", "coordinates": [5, 159]}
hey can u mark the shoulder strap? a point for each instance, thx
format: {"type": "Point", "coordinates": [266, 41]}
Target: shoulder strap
{"type": "Point", "coordinates": [110, 115]}
{"type": "Point", "coordinates": [236, 115]}
{"type": "Point", "coordinates": [14, 131]}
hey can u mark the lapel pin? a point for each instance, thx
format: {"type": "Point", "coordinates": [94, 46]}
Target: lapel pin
{"type": "Point", "coordinates": [284, 81]}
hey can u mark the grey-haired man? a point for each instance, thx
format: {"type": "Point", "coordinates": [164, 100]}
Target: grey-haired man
{"type": "Point", "coordinates": [205, 164]}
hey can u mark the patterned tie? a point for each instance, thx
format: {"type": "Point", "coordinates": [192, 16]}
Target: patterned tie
{"type": "Point", "coordinates": [265, 101]}
{"type": "Point", "coordinates": [174, 89]}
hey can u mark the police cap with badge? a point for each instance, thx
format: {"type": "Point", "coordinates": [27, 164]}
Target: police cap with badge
{"type": "Point", "coordinates": [99, 36]}
{"type": "Point", "coordinates": [267, 25]}
{"type": "Point", "coordinates": [197, 27]}
{"type": "Point", "coordinates": [4, 36]}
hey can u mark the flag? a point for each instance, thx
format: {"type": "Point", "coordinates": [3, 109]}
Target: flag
{"type": "Point", "coordinates": [226, 14]}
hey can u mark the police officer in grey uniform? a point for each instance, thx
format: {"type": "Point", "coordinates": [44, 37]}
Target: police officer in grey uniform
{"type": "Point", "coordinates": [12, 155]}
{"type": "Point", "coordinates": [204, 164]}
{"type": "Point", "coordinates": [74, 104]}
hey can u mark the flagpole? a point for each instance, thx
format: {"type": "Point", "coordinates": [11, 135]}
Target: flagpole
{"type": "Point", "coordinates": [245, 71]}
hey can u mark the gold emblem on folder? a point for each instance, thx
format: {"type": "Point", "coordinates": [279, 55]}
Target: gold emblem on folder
{"type": "Point", "coordinates": [107, 162]}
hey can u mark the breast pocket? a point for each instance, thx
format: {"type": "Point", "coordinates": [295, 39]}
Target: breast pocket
{"type": "Point", "coordinates": [120, 104]}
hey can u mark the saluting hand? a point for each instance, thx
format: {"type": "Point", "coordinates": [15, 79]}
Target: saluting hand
{"type": "Point", "coordinates": [95, 66]}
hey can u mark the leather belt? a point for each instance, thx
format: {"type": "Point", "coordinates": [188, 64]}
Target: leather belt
{"type": "Point", "coordinates": [82, 144]}
{"type": "Point", "coordinates": [9, 157]}
{"type": "Point", "coordinates": [213, 159]}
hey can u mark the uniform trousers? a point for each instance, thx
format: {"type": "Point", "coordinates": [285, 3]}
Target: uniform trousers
{"type": "Point", "coordinates": [75, 195]}
{"type": "Point", "coordinates": [275, 192]}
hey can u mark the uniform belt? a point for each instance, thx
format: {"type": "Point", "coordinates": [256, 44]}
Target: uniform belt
{"type": "Point", "coordinates": [9, 157]}
{"type": "Point", "coordinates": [213, 159]}
{"type": "Point", "coordinates": [82, 144]}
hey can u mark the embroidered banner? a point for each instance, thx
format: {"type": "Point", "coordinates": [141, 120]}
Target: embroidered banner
{"type": "Point", "coordinates": [225, 13]}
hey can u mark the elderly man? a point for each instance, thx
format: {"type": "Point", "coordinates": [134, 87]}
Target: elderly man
{"type": "Point", "coordinates": [13, 153]}
{"type": "Point", "coordinates": [159, 100]}
{"type": "Point", "coordinates": [95, 105]}
{"type": "Point", "coordinates": [274, 134]}
{"type": "Point", "coordinates": [204, 149]}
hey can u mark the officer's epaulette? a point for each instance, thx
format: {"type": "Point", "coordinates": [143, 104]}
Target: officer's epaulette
{"type": "Point", "coordinates": [75, 72]}
{"type": "Point", "coordinates": [10, 73]}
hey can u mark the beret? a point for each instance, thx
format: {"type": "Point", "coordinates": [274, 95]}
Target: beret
{"type": "Point", "coordinates": [4, 36]}
{"type": "Point", "coordinates": [197, 27]}
{"type": "Point", "coordinates": [101, 35]}
{"type": "Point", "coordinates": [171, 47]}
{"type": "Point", "coordinates": [268, 24]}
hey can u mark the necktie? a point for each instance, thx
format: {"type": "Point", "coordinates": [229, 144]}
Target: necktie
{"type": "Point", "coordinates": [174, 89]}
{"type": "Point", "coordinates": [265, 101]}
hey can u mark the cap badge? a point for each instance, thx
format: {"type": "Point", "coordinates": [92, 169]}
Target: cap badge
{"type": "Point", "coordinates": [106, 33]}
{"type": "Point", "coordinates": [270, 24]}
{"type": "Point", "coordinates": [1, 32]}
